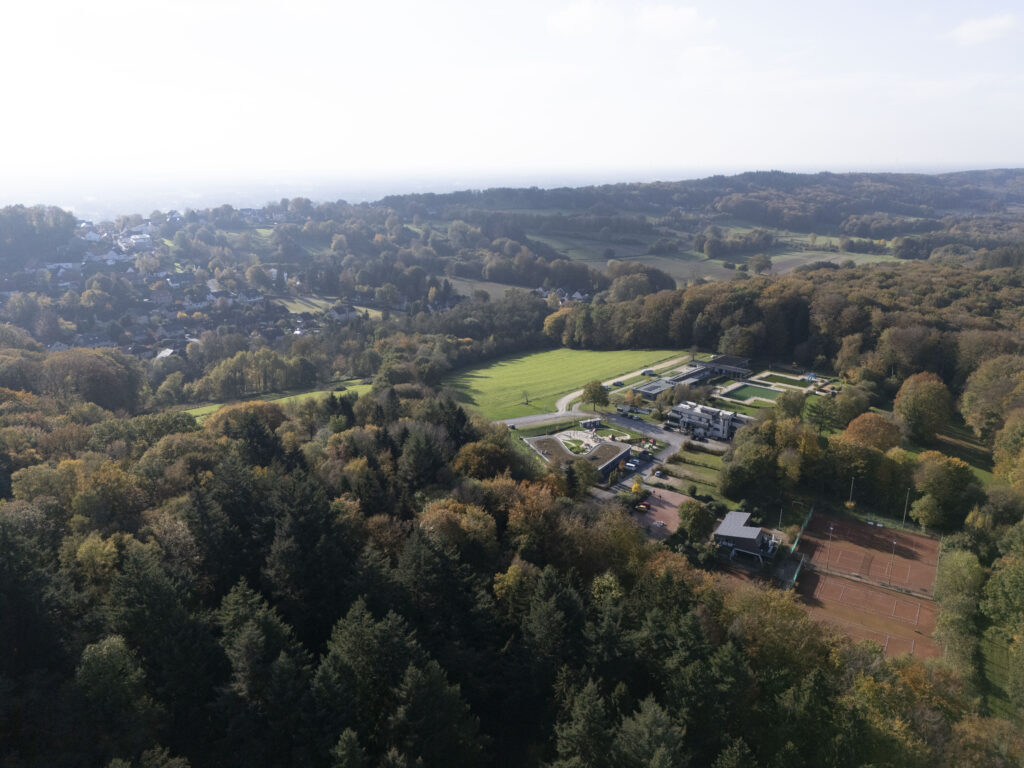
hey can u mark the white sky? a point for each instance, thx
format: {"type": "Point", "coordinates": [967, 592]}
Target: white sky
{"type": "Point", "coordinates": [115, 92]}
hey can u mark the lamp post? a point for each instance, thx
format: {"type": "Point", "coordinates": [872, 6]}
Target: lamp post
{"type": "Point", "coordinates": [905, 504]}
{"type": "Point", "coordinates": [828, 555]}
{"type": "Point", "coordinates": [851, 490]}
{"type": "Point", "coordinates": [891, 558]}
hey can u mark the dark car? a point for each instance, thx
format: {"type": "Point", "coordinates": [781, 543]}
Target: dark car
{"type": "Point", "coordinates": [617, 383]}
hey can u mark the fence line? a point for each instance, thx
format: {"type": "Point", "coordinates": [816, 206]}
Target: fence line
{"type": "Point", "coordinates": [872, 582]}
{"type": "Point", "coordinates": [800, 533]}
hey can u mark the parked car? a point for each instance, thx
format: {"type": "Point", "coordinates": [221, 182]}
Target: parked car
{"type": "Point", "coordinates": [658, 473]}
{"type": "Point", "coordinates": [617, 384]}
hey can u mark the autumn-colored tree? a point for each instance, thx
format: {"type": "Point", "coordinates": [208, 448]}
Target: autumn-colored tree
{"type": "Point", "coordinates": [924, 404]}
{"type": "Point", "coordinates": [948, 490]}
{"type": "Point", "coordinates": [992, 392]}
{"type": "Point", "coordinates": [873, 430]}
{"type": "Point", "coordinates": [481, 459]}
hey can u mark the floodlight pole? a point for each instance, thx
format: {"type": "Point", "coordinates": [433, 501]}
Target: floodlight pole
{"type": "Point", "coordinates": [851, 489]}
{"type": "Point", "coordinates": [905, 505]}
{"type": "Point", "coordinates": [828, 555]}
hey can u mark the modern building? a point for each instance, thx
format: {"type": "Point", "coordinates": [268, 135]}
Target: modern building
{"type": "Point", "coordinates": [734, 533]}
{"type": "Point", "coordinates": [651, 389]}
{"type": "Point", "coordinates": [696, 372]}
{"type": "Point", "coordinates": [728, 365]}
{"type": "Point", "coordinates": [705, 421]}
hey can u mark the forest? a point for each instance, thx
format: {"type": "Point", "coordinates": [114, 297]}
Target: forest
{"type": "Point", "coordinates": [386, 579]}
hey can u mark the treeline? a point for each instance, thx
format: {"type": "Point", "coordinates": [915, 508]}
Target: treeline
{"type": "Point", "coordinates": [32, 235]}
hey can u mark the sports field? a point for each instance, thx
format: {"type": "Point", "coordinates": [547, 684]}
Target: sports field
{"type": "Point", "coordinates": [872, 581]}
{"type": "Point", "coordinates": [899, 623]}
{"type": "Point", "coordinates": [867, 552]}
{"type": "Point", "coordinates": [497, 390]}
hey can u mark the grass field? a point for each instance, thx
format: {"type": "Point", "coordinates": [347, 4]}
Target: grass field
{"type": "Point", "coordinates": [776, 378]}
{"type": "Point", "coordinates": [546, 429]}
{"type": "Point", "coordinates": [375, 314]}
{"type": "Point", "coordinates": [735, 407]}
{"type": "Point", "coordinates": [202, 411]}
{"type": "Point", "coordinates": [466, 287]}
{"type": "Point", "coordinates": [299, 304]}
{"type": "Point", "coordinates": [747, 392]}
{"type": "Point", "coordinates": [995, 667]}
{"type": "Point", "coordinates": [496, 390]}
{"type": "Point", "coordinates": [958, 440]}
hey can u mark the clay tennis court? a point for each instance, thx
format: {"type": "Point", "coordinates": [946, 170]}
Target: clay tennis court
{"type": "Point", "coordinates": [898, 622]}
{"type": "Point", "coordinates": [881, 555]}
{"type": "Point", "coordinates": [873, 582]}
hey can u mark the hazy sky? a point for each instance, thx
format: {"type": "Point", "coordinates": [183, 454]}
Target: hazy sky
{"type": "Point", "coordinates": [145, 92]}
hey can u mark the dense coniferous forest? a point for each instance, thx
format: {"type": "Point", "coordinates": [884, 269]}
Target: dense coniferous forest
{"type": "Point", "coordinates": [376, 576]}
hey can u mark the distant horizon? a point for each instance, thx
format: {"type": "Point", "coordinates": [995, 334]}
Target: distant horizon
{"type": "Point", "coordinates": [112, 198]}
{"type": "Point", "coordinates": [134, 106]}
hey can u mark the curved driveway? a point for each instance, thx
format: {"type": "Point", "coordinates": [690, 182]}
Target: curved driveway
{"type": "Point", "coordinates": [562, 406]}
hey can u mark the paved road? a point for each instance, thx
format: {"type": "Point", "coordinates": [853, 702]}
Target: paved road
{"type": "Point", "coordinates": [564, 405]}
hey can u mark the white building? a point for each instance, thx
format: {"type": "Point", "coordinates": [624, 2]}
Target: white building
{"type": "Point", "coordinates": [705, 421]}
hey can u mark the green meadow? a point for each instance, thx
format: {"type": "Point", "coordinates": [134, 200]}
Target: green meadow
{"type": "Point", "coordinates": [202, 411]}
{"type": "Point", "coordinates": [496, 390]}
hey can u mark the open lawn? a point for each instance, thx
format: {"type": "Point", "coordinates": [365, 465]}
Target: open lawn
{"type": "Point", "coordinates": [299, 304]}
{"type": "Point", "coordinates": [466, 287]}
{"type": "Point", "coordinates": [496, 390]}
{"type": "Point", "coordinates": [959, 441]}
{"type": "Point", "coordinates": [202, 411]}
{"type": "Point", "coordinates": [776, 378]}
{"type": "Point", "coordinates": [736, 407]}
{"type": "Point", "coordinates": [593, 249]}
{"type": "Point", "coordinates": [748, 392]}
{"type": "Point", "coordinates": [374, 313]}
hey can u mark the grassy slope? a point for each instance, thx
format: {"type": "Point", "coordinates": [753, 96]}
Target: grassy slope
{"type": "Point", "coordinates": [311, 304]}
{"type": "Point", "coordinates": [957, 440]}
{"type": "Point", "coordinates": [202, 411]}
{"type": "Point", "coordinates": [496, 390]}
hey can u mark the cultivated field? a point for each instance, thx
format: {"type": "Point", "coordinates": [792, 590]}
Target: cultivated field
{"type": "Point", "coordinates": [496, 390]}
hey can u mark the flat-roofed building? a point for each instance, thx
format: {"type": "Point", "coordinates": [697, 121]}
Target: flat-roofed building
{"type": "Point", "coordinates": [705, 421]}
{"type": "Point", "coordinates": [651, 389]}
{"type": "Point", "coordinates": [734, 533]}
{"type": "Point", "coordinates": [728, 365]}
